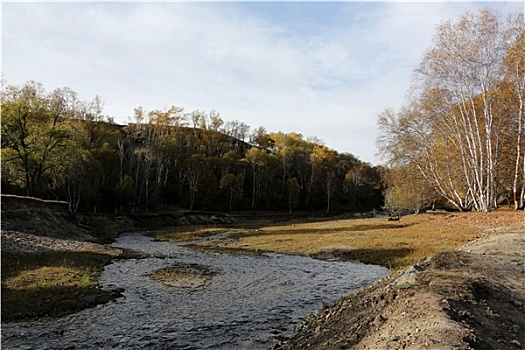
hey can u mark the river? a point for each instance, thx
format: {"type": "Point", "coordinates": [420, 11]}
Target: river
{"type": "Point", "coordinates": [249, 303]}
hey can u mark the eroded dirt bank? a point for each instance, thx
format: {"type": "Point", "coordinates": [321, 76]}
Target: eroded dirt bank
{"type": "Point", "coordinates": [470, 298]}
{"type": "Point", "coordinates": [32, 225]}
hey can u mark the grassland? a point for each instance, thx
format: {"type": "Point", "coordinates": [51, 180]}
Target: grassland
{"type": "Point", "coordinates": [393, 244]}
{"type": "Point", "coordinates": [52, 283]}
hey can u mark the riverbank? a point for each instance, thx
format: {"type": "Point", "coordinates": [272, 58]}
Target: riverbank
{"type": "Point", "coordinates": [465, 290]}
{"type": "Point", "coordinates": [180, 298]}
{"type": "Point", "coordinates": [51, 262]}
{"type": "Point", "coordinates": [470, 297]}
{"type": "Point", "coordinates": [372, 240]}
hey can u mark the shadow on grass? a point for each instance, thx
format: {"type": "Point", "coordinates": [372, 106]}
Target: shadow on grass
{"type": "Point", "coordinates": [392, 258]}
{"type": "Point", "coordinates": [14, 264]}
{"type": "Point", "coordinates": [51, 292]}
{"type": "Point", "coordinates": [20, 304]}
{"type": "Point", "coordinates": [300, 231]}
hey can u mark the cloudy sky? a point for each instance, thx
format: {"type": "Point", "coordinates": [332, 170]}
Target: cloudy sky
{"type": "Point", "coordinates": [323, 69]}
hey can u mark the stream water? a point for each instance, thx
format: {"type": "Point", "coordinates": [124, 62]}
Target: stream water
{"type": "Point", "coordinates": [250, 302]}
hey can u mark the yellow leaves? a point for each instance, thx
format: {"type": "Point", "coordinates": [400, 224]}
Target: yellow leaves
{"type": "Point", "coordinates": [256, 156]}
{"type": "Point", "coordinates": [458, 113]}
{"type": "Point", "coordinates": [165, 118]}
{"type": "Point", "coordinates": [322, 154]}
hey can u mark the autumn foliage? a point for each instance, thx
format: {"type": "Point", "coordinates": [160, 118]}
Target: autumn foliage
{"type": "Point", "coordinates": [459, 137]}
{"type": "Point", "coordinates": [55, 146]}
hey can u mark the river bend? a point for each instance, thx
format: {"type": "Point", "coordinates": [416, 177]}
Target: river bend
{"type": "Point", "coordinates": [249, 303]}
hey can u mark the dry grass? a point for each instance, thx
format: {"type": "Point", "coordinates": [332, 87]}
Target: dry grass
{"type": "Point", "coordinates": [51, 284]}
{"type": "Point", "coordinates": [186, 234]}
{"type": "Point", "coordinates": [379, 241]}
{"type": "Point", "coordinates": [57, 283]}
{"type": "Point", "coordinates": [176, 277]}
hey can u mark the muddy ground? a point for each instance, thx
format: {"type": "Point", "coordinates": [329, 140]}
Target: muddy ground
{"type": "Point", "coordinates": [470, 298]}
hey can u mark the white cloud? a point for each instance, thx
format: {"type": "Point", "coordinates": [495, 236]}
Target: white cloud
{"type": "Point", "coordinates": [275, 67]}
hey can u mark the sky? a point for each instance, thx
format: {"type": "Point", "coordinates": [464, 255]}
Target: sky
{"type": "Point", "coordinates": [322, 69]}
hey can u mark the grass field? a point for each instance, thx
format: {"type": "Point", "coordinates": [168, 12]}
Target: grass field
{"type": "Point", "coordinates": [52, 283]}
{"type": "Point", "coordinates": [376, 240]}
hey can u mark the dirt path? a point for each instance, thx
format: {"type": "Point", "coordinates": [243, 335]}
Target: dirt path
{"type": "Point", "coordinates": [470, 298]}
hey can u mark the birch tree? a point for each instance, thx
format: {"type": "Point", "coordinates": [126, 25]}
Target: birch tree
{"type": "Point", "coordinates": [257, 158]}
{"type": "Point", "coordinates": [462, 72]}
{"type": "Point", "coordinates": [514, 70]}
{"type": "Point", "coordinates": [452, 130]}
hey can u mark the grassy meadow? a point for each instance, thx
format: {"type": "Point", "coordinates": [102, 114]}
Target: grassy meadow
{"type": "Point", "coordinates": [393, 244]}
{"type": "Point", "coordinates": [52, 283]}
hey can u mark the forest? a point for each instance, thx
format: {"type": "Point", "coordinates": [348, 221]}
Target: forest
{"type": "Point", "coordinates": [55, 146]}
{"type": "Point", "coordinates": [459, 140]}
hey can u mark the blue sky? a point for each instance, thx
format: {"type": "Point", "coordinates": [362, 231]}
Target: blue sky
{"type": "Point", "coordinates": [323, 69]}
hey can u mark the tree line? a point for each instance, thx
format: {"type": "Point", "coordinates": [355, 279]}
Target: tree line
{"type": "Point", "coordinates": [459, 139]}
{"type": "Point", "coordinates": [460, 135]}
{"type": "Point", "coordinates": [55, 146]}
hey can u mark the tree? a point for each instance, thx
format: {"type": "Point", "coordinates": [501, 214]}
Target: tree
{"type": "Point", "coordinates": [362, 186]}
{"type": "Point", "coordinates": [196, 167]}
{"type": "Point", "coordinates": [293, 190]}
{"type": "Point", "coordinates": [215, 121]}
{"type": "Point", "coordinates": [37, 130]}
{"type": "Point", "coordinates": [257, 158]}
{"type": "Point", "coordinates": [232, 184]}
{"type": "Point", "coordinates": [452, 128]}
{"type": "Point", "coordinates": [261, 138]}
{"type": "Point", "coordinates": [323, 163]}
{"type": "Point", "coordinates": [237, 129]}
{"type": "Point", "coordinates": [462, 75]}
{"type": "Point", "coordinates": [406, 189]}
{"type": "Point", "coordinates": [56, 146]}
{"type": "Point", "coordinates": [76, 181]}
{"type": "Point", "coordinates": [514, 70]}
{"type": "Point", "coordinates": [163, 119]}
